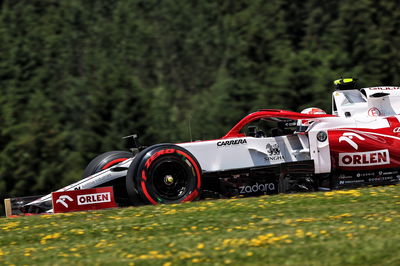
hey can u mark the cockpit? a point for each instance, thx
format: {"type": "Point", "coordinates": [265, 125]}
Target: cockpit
{"type": "Point", "coordinates": [269, 127]}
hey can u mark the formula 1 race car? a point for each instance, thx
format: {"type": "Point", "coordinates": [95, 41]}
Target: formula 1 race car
{"type": "Point", "coordinates": [267, 152]}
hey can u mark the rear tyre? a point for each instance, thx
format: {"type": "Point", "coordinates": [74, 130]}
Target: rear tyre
{"type": "Point", "coordinates": [105, 161]}
{"type": "Point", "coordinates": [164, 173]}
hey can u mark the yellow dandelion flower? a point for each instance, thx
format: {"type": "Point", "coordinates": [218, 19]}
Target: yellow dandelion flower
{"type": "Point", "coordinates": [200, 246]}
{"type": "Point", "coordinates": [47, 237]}
{"type": "Point", "coordinates": [299, 233]}
{"type": "Point", "coordinates": [173, 211]}
{"type": "Point", "coordinates": [101, 244]}
{"type": "Point", "coordinates": [10, 225]}
{"type": "Point", "coordinates": [77, 231]}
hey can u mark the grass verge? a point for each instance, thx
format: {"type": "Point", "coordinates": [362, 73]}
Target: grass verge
{"type": "Point", "coordinates": [325, 228]}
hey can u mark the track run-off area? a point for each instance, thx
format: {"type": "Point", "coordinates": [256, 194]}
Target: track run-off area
{"type": "Point", "coordinates": [357, 226]}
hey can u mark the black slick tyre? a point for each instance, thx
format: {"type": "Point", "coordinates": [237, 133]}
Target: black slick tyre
{"type": "Point", "coordinates": [164, 173]}
{"type": "Point", "coordinates": [105, 161]}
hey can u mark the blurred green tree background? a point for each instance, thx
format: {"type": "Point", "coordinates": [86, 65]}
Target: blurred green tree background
{"type": "Point", "coordinates": [76, 76]}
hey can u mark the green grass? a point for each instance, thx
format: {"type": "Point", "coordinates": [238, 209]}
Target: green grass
{"type": "Point", "coordinates": [333, 228]}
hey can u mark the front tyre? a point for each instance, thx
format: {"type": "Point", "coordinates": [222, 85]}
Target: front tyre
{"type": "Point", "coordinates": [105, 161]}
{"type": "Point", "coordinates": [165, 174]}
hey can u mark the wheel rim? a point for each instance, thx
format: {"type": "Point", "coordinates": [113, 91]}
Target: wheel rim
{"type": "Point", "coordinates": [170, 179]}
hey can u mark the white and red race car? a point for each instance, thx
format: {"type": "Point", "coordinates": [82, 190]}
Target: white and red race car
{"type": "Point", "coordinates": [267, 152]}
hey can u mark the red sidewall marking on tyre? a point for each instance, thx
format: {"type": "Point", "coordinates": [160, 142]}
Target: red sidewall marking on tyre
{"type": "Point", "coordinates": [191, 196]}
{"type": "Point", "coordinates": [194, 165]}
{"type": "Point", "coordinates": [147, 194]}
{"type": "Point", "coordinates": [156, 155]}
{"type": "Point", "coordinates": [144, 177]}
{"type": "Point", "coordinates": [109, 164]}
{"type": "Point", "coordinates": [194, 194]}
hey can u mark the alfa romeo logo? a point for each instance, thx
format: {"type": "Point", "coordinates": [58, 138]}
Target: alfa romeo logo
{"type": "Point", "coordinates": [374, 111]}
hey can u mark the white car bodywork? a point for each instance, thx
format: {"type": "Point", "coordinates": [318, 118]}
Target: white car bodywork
{"type": "Point", "coordinates": [352, 109]}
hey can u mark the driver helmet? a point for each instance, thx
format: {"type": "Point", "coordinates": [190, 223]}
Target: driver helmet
{"type": "Point", "coordinates": [302, 125]}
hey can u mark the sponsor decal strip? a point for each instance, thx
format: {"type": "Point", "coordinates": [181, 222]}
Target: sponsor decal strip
{"type": "Point", "coordinates": [384, 88]}
{"type": "Point", "coordinates": [231, 142]}
{"type": "Point", "coordinates": [85, 199]}
{"type": "Point", "coordinates": [369, 158]}
{"type": "Point", "coordinates": [257, 187]}
{"type": "Point", "coordinates": [94, 198]}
